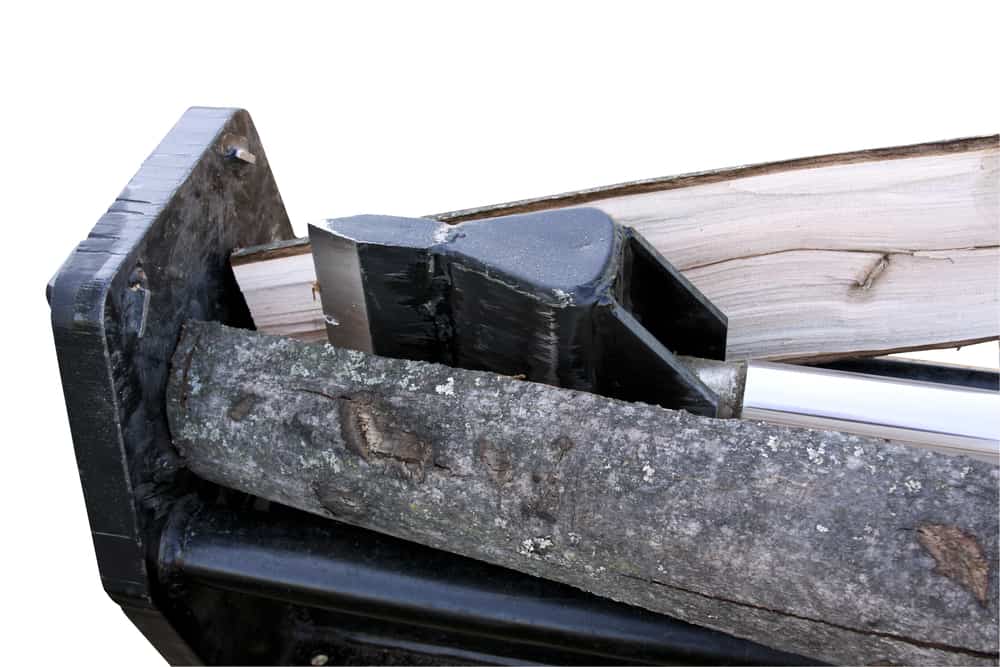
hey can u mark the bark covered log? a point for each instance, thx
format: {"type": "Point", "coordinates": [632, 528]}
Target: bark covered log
{"type": "Point", "coordinates": [837, 547]}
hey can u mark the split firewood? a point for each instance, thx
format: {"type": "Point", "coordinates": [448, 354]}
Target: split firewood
{"type": "Point", "coordinates": [843, 255]}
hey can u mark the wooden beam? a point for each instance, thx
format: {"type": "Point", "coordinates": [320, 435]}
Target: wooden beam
{"type": "Point", "coordinates": [842, 548]}
{"type": "Point", "coordinates": [857, 253]}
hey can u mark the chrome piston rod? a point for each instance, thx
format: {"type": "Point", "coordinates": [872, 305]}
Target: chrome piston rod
{"type": "Point", "coordinates": [943, 417]}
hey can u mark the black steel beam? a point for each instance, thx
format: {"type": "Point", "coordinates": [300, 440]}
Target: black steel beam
{"type": "Point", "coordinates": [417, 593]}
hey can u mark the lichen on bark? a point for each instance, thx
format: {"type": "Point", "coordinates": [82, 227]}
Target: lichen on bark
{"type": "Point", "coordinates": [814, 542]}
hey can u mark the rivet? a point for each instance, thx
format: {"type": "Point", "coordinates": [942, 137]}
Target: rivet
{"type": "Point", "coordinates": [237, 147]}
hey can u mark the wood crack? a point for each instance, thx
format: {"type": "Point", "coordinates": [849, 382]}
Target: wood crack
{"type": "Point", "coordinates": [871, 633]}
{"type": "Point", "coordinates": [872, 251]}
{"type": "Point", "coordinates": [874, 272]}
{"type": "Point", "coordinates": [185, 385]}
{"type": "Point", "coordinates": [339, 397]}
{"type": "Point", "coordinates": [661, 184]}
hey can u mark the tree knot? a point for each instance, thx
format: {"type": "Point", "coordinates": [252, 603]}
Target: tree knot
{"type": "Point", "coordinates": [958, 556]}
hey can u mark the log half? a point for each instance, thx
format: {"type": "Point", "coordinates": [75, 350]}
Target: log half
{"type": "Point", "coordinates": [828, 257]}
{"type": "Point", "coordinates": [837, 547]}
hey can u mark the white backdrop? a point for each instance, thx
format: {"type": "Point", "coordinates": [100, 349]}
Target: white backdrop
{"type": "Point", "coordinates": [407, 109]}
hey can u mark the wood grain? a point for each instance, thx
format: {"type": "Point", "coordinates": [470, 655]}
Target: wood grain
{"type": "Point", "coordinates": [858, 253]}
{"type": "Point", "coordinates": [281, 291]}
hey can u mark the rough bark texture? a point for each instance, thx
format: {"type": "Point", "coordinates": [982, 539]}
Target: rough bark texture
{"type": "Point", "coordinates": [833, 546]}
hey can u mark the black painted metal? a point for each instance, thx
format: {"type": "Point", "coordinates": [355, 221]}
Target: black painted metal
{"type": "Point", "coordinates": [220, 594]}
{"type": "Point", "coordinates": [565, 297]}
{"type": "Point", "coordinates": [906, 369]}
{"type": "Point", "coordinates": [158, 257]}
{"type": "Point", "coordinates": [425, 595]}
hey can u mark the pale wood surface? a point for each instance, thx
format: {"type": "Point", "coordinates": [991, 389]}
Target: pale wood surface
{"type": "Point", "coordinates": [283, 295]}
{"type": "Point", "coordinates": [859, 253]}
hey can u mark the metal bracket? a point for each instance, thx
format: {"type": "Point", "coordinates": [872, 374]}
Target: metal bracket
{"type": "Point", "coordinates": [158, 257]}
{"type": "Point", "coordinates": [564, 297]}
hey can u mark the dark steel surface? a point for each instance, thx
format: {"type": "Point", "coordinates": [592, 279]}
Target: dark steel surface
{"type": "Point", "coordinates": [426, 596]}
{"type": "Point", "coordinates": [564, 297]}
{"type": "Point", "coordinates": [158, 257]}
{"type": "Point", "coordinates": [905, 369]}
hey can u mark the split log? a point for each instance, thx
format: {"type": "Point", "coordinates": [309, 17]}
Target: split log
{"type": "Point", "coordinates": [836, 547]}
{"type": "Point", "coordinates": [843, 255]}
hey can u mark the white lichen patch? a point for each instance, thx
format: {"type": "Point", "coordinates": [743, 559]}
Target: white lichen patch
{"type": "Point", "coordinates": [446, 389]}
{"type": "Point", "coordinates": [820, 528]}
{"type": "Point", "coordinates": [635, 435]}
{"type": "Point", "coordinates": [870, 535]}
{"type": "Point", "coordinates": [535, 546]}
{"type": "Point", "coordinates": [330, 459]}
{"type": "Point", "coordinates": [912, 485]}
{"type": "Point", "coordinates": [816, 454]}
{"type": "Point", "coordinates": [648, 472]}
{"type": "Point", "coordinates": [859, 452]}
{"type": "Point", "coordinates": [691, 528]}
{"type": "Point", "coordinates": [300, 370]}
{"type": "Point", "coordinates": [772, 443]}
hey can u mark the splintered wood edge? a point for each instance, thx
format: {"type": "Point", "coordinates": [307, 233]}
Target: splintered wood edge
{"type": "Point", "coordinates": [835, 356]}
{"type": "Point", "coordinates": [260, 253]}
{"type": "Point", "coordinates": [300, 246]}
{"type": "Point", "coordinates": [575, 198]}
